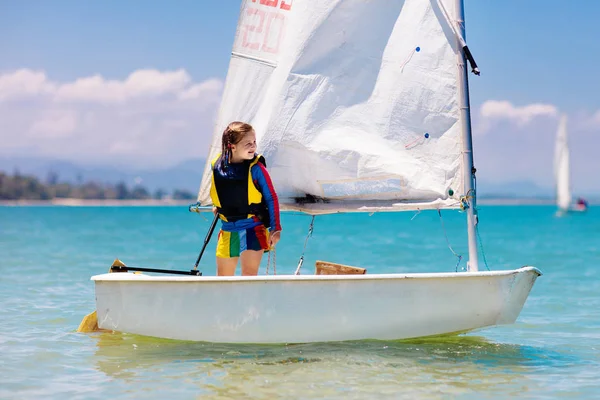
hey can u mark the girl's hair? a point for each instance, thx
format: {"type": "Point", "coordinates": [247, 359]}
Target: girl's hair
{"type": "Point", "coordinates": [233, 134]}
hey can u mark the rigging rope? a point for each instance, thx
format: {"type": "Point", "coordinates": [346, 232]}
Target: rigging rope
{"type": "Point", "coordinates": [310, 231]}
{"type": "Point", "coordinates": [481, 246]}
{"type": "Point", "coordinates": [274, 251]}
{"type": "Point", "coordinates": [473, 171]}
{"type": "Point", "coordinates": [448, 241]}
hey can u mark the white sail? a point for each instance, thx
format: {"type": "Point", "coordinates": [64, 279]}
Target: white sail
{"type": "Point", "coordinates": [355, 102]}
{"type": "Point", "coordinates": [561, 166]}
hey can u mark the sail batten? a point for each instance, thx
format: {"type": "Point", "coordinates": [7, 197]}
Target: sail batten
{"type": "Point", "coordinates": [253, 58]}
{"type": "Point", "coordinates": [352, 101]}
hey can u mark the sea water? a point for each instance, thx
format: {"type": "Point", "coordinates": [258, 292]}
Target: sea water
{"type": "Point", "coordinates": [49, 253]}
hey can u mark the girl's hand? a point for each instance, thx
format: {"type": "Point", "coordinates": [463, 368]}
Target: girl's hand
{"type": "Point", "coordinates": [275, 236]}
{"type": "Point", "coordinates": [215, 210]}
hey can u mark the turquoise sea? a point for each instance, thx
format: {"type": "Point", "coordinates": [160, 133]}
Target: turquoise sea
{"type": "Point", "coordinates": [48, 253]}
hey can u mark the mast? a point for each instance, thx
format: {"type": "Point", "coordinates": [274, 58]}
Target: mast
{"type": "Point", "coordinates": [469, 172]}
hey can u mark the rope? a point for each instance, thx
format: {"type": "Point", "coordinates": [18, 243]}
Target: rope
{"type": "Point", "coordinates": [415, 215]}
{"type": "Point", "coordinates": [477, 224]}
{"type": "Point", "coordinates": [481, 246]}
{"type": "Point", "coordinates": [448, 241]}
{"type": "Point", "coordinates": [310, 231]}
{"type": "Point", "coordinates": [465, 200]}
{"type": "Point", "coordinates": [274, 251]}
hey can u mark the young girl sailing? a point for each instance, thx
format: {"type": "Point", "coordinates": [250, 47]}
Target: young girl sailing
{"type": "Point", "coordinates": [245, 200]}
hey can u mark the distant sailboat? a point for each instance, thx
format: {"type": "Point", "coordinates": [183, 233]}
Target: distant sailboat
{"type": "Point", "coordinates": [562, 172]}
{"type": "Point", "coordinates": [581, 205]}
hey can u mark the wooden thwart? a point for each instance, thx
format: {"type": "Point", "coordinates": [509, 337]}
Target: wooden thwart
{"type": "Point", "coordinates": [329, 268]}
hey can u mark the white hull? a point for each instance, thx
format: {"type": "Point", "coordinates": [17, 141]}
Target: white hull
{"type": "Point", "coordinates": [573, 209]}
{"type": "Point", "coordinates": [579, 208]}
{"type": "Point", "coordinates": [310, 308]}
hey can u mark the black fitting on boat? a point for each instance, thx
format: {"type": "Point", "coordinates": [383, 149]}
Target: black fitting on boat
{"type": "Point", "coordinates": [122, 268]}
{"type": "Point", "coordinates": [469, 56]}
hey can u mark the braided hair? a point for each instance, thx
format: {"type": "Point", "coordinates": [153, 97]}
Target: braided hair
{"type": "Point", "coordinates": [233, 134]}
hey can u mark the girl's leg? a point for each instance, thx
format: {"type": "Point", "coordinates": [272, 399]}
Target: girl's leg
{"type": "Point", "coordinates": [226, 266]}
{"type": "Point", "coordinates": [251, 261]}
{"type": "Point", "coordinates": [226, 261]}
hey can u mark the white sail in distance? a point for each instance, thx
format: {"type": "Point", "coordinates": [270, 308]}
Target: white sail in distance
{"type": "Point", "coordinates": [562, 166]}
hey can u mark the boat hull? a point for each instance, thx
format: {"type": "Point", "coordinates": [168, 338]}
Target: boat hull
{"type": "Point", "coordinates": [571, 210]}
{"type": "Point", "coordinates": [310, 308]}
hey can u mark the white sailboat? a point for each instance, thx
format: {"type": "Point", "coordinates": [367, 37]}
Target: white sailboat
{"type": "Point", "coordinates": [358, 106]}
{"type": "Point", "coordinates": [562, 172]}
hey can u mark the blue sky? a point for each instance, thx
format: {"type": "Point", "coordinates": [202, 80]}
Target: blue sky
{"type": "Point", "coordinates": [543, 52]}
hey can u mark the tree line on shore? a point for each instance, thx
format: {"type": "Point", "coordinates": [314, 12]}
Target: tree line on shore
{"type": "Point", "coordinates": [29, 187]}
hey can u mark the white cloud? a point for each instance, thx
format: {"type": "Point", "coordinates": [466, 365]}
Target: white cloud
{"type": "Point", "coordinates": [148, 118]}
{"type": "Point", "coordinates": [152, 82]}
{"type": "Point", "coordinates": [55, 124]}
{"type": "Point", "coordinates": [93, 88]}
{"type": "Point", "coordinates": [494, 111]}
{"type": "Point", "coordinates": [145, 83]}
{"type": "Point", "coordinates": [139, 84]}
{"type": "Point", "coordinates": [23, 83]}
{"type": "Point", "coordinates": [198, 90]}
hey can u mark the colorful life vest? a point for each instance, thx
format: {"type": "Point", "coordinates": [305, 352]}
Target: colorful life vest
{"type": "Point", "coordinates": [238, 198]}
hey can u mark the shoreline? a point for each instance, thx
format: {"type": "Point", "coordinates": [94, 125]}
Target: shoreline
{"type": "Point", "coordinates": [516, 202]}
{"type": "Point", "coordinates": [71, 202]}
{"type": "Point", "coordinates": [96, 202]}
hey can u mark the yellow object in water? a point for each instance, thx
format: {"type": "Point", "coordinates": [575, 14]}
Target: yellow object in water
{"type": "Point", "coordinates": [89, 323]}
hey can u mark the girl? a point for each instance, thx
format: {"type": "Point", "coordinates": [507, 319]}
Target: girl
{"type": "Point", "coordinates": [244, 198]}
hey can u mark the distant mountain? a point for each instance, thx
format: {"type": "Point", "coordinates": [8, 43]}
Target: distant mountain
{"type": "Point", "coordinates": [524, 189]}
{"type": "Point", "coordinates": [513, 189]}
{"type": "Point", "coordinates": [184, 176]}
{"type": "Point", "coordinates": [187, 175]}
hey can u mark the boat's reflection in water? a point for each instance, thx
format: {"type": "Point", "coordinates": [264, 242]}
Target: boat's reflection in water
{"type": "Point", "coordinates": [442, 365]}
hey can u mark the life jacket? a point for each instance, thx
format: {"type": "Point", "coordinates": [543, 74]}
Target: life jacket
{"type": "Point", "coordinates": [238, 198]}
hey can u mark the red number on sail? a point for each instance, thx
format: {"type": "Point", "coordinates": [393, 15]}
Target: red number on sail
{"type": "Point", "coordinates": [256, 28]}
{"type": "Point", "coordinates": [263, 29]}
{"type": "Point", "coordinates": [273, 33]}
{"type": "Point", "coordinates": [285, 4]}
{"type": "Point", "coordinates": [268, 3]}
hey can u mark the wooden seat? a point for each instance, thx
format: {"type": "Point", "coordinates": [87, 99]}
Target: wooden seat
{"type": "Point", "coordinates": [329, 268]}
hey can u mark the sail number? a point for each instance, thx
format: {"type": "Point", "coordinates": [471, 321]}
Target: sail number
{"type": "Point", "coordinates": [264, 25]}
{"type": "Point", "coordinates": [284, 4]}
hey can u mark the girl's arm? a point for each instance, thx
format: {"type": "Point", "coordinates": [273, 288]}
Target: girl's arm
{"type": "Point", "coordinates": [262, 179]}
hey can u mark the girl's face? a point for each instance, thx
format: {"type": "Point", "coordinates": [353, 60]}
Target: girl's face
{"type": "Point", "coordinates": [245, 149]}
